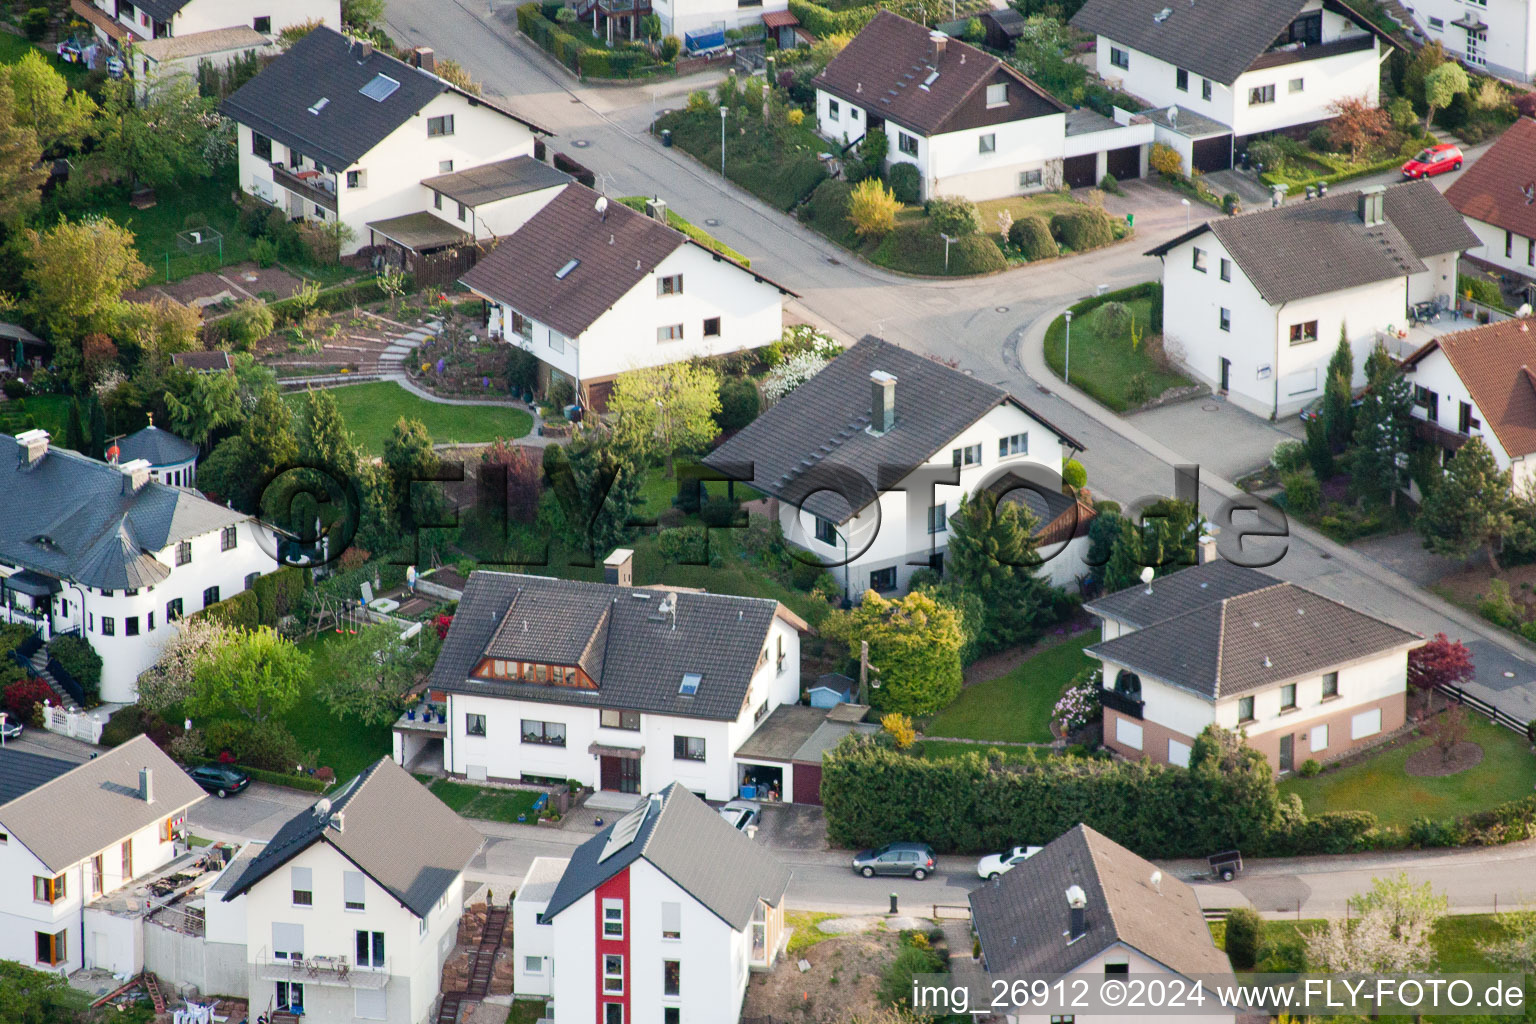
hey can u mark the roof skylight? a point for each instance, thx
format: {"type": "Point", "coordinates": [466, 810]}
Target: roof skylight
{"type": "Point", "coordinates": [319, 104]}
{"type": "Point", "coordinates": [381, 88]}
{"type": "Point", "coordinates": [565, 271]}
{"type": "Point", "coordinates": [690, 684]}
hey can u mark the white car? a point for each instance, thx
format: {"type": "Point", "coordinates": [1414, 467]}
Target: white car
{"type": "Point", "coordinates": [994, 864]}
{"type": "Point", "coordinates": [741, 813]}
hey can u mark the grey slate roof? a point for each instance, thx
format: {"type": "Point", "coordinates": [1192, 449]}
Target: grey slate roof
{"type": "Point", "coordinates": [686, 840]}
{"type": "Point", "coordinates": [1021, 917]}
{"type": "Point", "coordinates": [327, 65]}
{"type": "Point", "coordinates": [390, 826]}
{"type": "Point", "coordinates": [96, 804]}
{"type": "Point", "coordinates": [1303, 249]}
{"type": "Point", "coordinates": [75, 518]}
{"type": "Point", "coordinates": [818, 434]}
{"type": "Point", "coordinates": [161, 10]}
{"type": "Point", "coordinates": [636, 658]}
{"type": "Point", "coordinates": [1254, 641]}
{"type": "Point", "coordinates": [1216, 39]}
{"type": "Point", "coordinates": [158, 447]}
{"type": "Point", "coordinates": [475, 186]}
{"type": "Point", "coordinates": [1179, 592]}
{"type": "Point", "coordinates": [22, 771]}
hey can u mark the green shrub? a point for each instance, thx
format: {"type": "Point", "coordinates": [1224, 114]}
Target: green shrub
{"type": "Point", "coordinates": [1114, 319]}
{"type": "Point", "coordinates": [277, 594]}
{"type": "Point", "coordinates": [670, 47]}
{"type": "Point", "coordinates": [238, 611]}
{"type": "Point", "coordinates": [1528, 630]}
{"type": "Point", "coordinates": [78, 657]}
{"type": "Point", "coordinates": [1138, 388]}
{"type": "Point", "coordinates": [35, 23]}
{"type": "Point", "coordinates": [955, 216]}
{"type": "Point", "coordinates": [739, 403]}
{"type": "Point", "coordinates": [683, 545]}
{"type": "Point", "coordinates": [1032, 237]}
{"type": "Point", "coordinates": [897, 983]}
{"type": "Point", "coordinates": [1288, 456]}
{"type": "Point", "coordinates": [1303, 494]}
{"type": "Point", "coordinates": [718, 512]}
{"type": "Point", "coordinates": [1310, 767]}
{"type": "Point", "coordinates": [264, 252]}
{"type": "Point", "coordinates": [803, 574]}
{"type": "Point", "coordinates": [1082, 228]}
{"type": "Point", "coordinates": [1287, 955]}
{"type": "Point", "coordinates": [12, 634]}
{"type": "Point", "coordinates": [1319, 138]}
{"type": "Point", "coordinates": [1481, 290]}
{"type": "Point", "coordinates": [1073, 475]}
{"type": "Point", "coordinates": [1498, 606]}
{"type": "Point", "coordinates": [907, 182]}
{"type": "Point", "coordinates": [976, 254]}
{"type": "Point", "coordinates": [820, 21]}
{"type": "Point", "coordinates": [265, 745]}
{"type": "Point", "coordinates": [1245, 932]}
{"type": "Point", "coordinates": [1110, 184]}
{"type": "Point", "coordinates": [827, 211]}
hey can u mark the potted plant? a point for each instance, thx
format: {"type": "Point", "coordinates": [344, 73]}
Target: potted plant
{"type": "Point", "coordinates": [410, 714]}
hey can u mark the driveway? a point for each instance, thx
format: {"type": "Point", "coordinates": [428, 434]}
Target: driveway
{"type": "Point", "coordinates": [256, 813]}
{"type": "Point", "coordinates": [1217, 435]}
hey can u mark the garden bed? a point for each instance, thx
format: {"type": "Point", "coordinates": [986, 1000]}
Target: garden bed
{"type": "Point", "coordinates": [1016, 707]}
{"type": "Point", "coordinates": [778, 162]}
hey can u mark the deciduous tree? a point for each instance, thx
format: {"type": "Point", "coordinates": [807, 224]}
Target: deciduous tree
{"type": "Point", "coordinates": [21, 174]}
{"type": "Point", "coordinates": [1440, 662]}
{"type": "Point", "coordinates": [369, 674]}
{"type": "Point", "coordinates": [914, 642]}
{"type": "Point", "coordinates": [1448, 729]}
{"type": "Point", "coordinates": [31, 997]}
{"type": "Point", "coordinates": [257, 674]}
{"type": "Point", "coordinates": [1357, 125]}
{"type": "Point", "coordinates": [1516, 950]}
{"type": "Point", "coordinates": [171, 679]}
{"type": "Point", "coordinates": [43, 102]}
{"type": "Point", "coordinates": [1441, 86]}
{"type": "Point", "coordinates": [666, 410]}
{"type": "Point", "coordinates": [1471, 506]}
{"type": "Point", "coordinates": [872, 208]}
{"type": "Point", "coordinates": [77, 274]}
{"type": "Point", "coordinates": [161, 140]}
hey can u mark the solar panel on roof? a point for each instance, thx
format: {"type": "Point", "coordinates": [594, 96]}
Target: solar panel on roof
{"type": "Point", "coordinates": [624, 831]}
{"type": "Point", "coordinates": [380, 88]}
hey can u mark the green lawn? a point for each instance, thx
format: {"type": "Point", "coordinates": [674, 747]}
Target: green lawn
{"type": "Point", "coordinates": [1380, 785]}
{"type": "Point", "coordinates": [1104, 366]}
{"type": "Point", "coordinates": [1455, 938]}
{"type": "Point", "coordinates": [1041, 204]}
{"type": "Point", "coordinates": [484, 801]}
{"type": "Point", "coordinates": [657, 492]}
{"type": "Point", "coordinates": [13, 48]}
{"type": "Point", "coordinates": [688, 228]}
{"type": "Point", "coordinates": [1016, 707]}
{"type": "Point", "coordinates": [806, 934]}
{"type": "Point", "coordinates": [155, 229]}
{"type": "Point", "coordinates": [940, 750]}
{"type": "Point", "coordinates": [50, 412]}
{"type": "Point", "coordinates": [526, 1011]}
{"type": "Point", "coordinates": [371, 410]}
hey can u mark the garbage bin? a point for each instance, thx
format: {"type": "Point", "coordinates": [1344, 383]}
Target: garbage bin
{"type": "Point", "coordinates": [666, 138]}
{"type": "Point", "coordinates": [1130, 220]}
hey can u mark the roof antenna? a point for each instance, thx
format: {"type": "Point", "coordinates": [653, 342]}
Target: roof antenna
{"type": "Point", "coordinates": [610, 238]}
{"type": "Point", "coordinates": [601, 206]}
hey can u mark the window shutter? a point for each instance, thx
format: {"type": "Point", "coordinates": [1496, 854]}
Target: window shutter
{"type": "Point", "coordinates": [671, 918]}
{"type": "Point", "coordinates": [352, 887]}
{"type": "Point", "coordinates": [287, 938]}
{"type": "Point", "coordinates": [303, 879]}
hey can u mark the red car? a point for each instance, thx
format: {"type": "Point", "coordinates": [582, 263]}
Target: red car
{"type": "Point", "coordinates": [1434, 160]}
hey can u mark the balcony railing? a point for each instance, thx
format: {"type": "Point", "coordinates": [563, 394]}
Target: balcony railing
{"type": "Point", "coordinates": [1117, 701]}
{"type": "Point", "coordinates": [336, 971]}
{"type": "Point", "coordinates": [1275, 58]}
{"type": "Point", "coordinates": [318, 188]}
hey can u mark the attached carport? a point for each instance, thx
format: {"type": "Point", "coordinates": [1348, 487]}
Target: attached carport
{"type": "Point", "coordinates": [419, 232]}
{"type": "Point", "coordinates": [789, 745]}
{"type": "Point", "coordinates": [1203, 144]}
{"type": "Point", "coordinates": [1097, 145]}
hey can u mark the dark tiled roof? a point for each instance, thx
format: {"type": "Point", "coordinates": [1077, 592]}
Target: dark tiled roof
{"type": "Point", "coordinates": [1492, 189]}
{"type": "Point", "coordinates": [886, 67]}
{"type": "Point", "coordinates": [636, 656]}
{"type": "Point", "coordinates": [1303, 249]}
{"type": "Point", "coordinates": [74, 518]}
{"type": "Point", "coordinates": [97, 803]}
{"type": "Point", "coordinates": [1497, 364]}
{"type": "Point", "coordinates": [686, 840]}
{"type": "Point", "coordinates": [327, 65]}
{"type": "Point", "coordinates": [414, 864]}
{"type": "Point", "coordinates": [155, 446]}
{"type": "Point", "coordinates": [1253, 641]}
{"type": "Point", "coordinates": [1179, 592]}
{"type": "Point", "coordinates": [21, 772]}
{"type": "Point", "coordinates": [503, 179]}
{"type": "Point", "coordinates": [1216, 39]}
{"type": "Point", "coordinates": [161, 10]}
{"type": "Point", "coordinates": [215, 359]}
{"type": "Point", "coordinates": [1021, 917]}
{"type": "Point", "coordinates": [1058, 516]}
{"type": "Point", "coordinates": [819, 432]}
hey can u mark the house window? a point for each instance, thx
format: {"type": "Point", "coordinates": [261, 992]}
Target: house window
{"type": "Point", "coordinates": [1226, 319]}
{"type": "Point", "coordinates": [833, 110]}
{"type": "Point", "coordinates": [50, 948]}
{"type": "Point", "coordinates": [1117, 967]}
{"type": "Point", "coordinates": [613, 919]}
{"type": "Point", "coordinates": [906, 143]}
{"type": "Point", "coordinates": [1319, 737]}
{"type": "Point", "coordinates": [439, 126]}
{"type": "Point", "coordinates": [997, 94]}
{"type": "Point", "coordinates": [671, 1015]}
{"type": "Point", "coordinates": [970, 455]}
{"type": "Point", "coordinates": [229, 537]}
{"type": "Point", "coordinates": [937, 517]}
{"type": "Point", "coordinates": [1245, 709]}
{"type": "Point", "coordinates": [1120, 58]}
{"type": "Point", "coordinates": [613, 973]}
{"type": "Point", "coordinates": [712, 327]}
{"type": "Point", "coordinates": [47, 890]}
{"type": "Point", "coordinates": [1063, 1018]}
{"type": "Point", "coordinates": [671, 920]}
{"type": "Point", "coordinates": [672, 332]}
{"type": "Point", "coordinates": [250, 578]}
{"type": "Point", "coordinates": [1429, 401]}
{"type": "Point", "coordinates": [173, 610]}
{"type": "Point", "coordinates": [210, 596]}
{"type": "Point", "coordinates": [883, 579]}
{"type": "Point", "coordinates": [1465, 421]}
{"type": "Point", "coordinates": [688, 748]}
{"type": "Point", "coordinates": [474, 725]}
{"type": "Point", "coordinates": [1288, 697]}
{"type": "Point", "coordinates": [522, 326]}
{"type": "Point", "coordinates": [261, 146]}
{"type": "Point", "coordinates": [108, 625]}
{"type": "Point", "coordinates": [437, 200]}
{"type": "Point", "coordinates": [98, 872]}
{"type": "Point", "coordinates": [262, 25]}
{"type": "Point", "coordinates": [826, 531]}
{"type": "Point", "coordinates": [671, 977]}
{"type": "Point", "coordinates": [1205, 88]}
{"type": "Point", "coordinates": [290, 995]}
{"type": "Point", "coordinates": [302, 882]}
{"type": "Point", "coordinates": [445, 167]}
{"type": "Point", "coordinates": [620, 720]}
{"type": "Point", "coordinates": [1129, 733]}
{"type": "Point", "coordinates": [370, 949]}
{"type": "Point", "coordinates": [1304, 332]}
{"type": "Point", "coordinates": [533, 965]}
{"type": "Point", "coordinates": [1031, 179]}
{"type": "Point", "coordinates": [1296, 85]}
{"type": "Point", "coordinates": [1261, 94]}
{"type": "Point", "coordinates": [1013, 444]}
{"type": "Point", "coordinates": [1181, 80]}
{"type": "Point", "coordinates": [1198, 259]}
{"type": "Point", "coordinates": [1437, 24]}
{"type": "Point", "coordinates": [127, 854]}
{"type": "Point", "coordinates": [1226, 269]}
{"type": "Point", "coordinates": [1330, 685]}
{"type": "Point", "coordinates": [551, 734]}
{"type": "Point", "coordinates": [463, 211]}
{"type": "Point", "coordinates": [613, 1013]}
{"type": "Point", "coordinates": [1509, 244]}
{"type": "Point", "coordinates": [987, 143]}
{"type": "Point", "coordinates": [184, 552]}
{"type": "Point", "coordinates": [671, 284]}
{"type": "Point", "coordinates": [357, 179]}
{"type": "Point", "coordinates": [1530, 252]}
{"type": "Point", "coordinates": [353, 890]}
{"type": "Point", "coordinates": [131, 626]}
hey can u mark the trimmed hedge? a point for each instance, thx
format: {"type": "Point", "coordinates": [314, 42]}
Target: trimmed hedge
{"type": "Point", "coordinates": [238, 611]}
{"type": "Point", "coordinates": [579, 171]}
{"type": "Point", "coordinates": [918, 249]}
{"type": "Point", "coordinates": [78, 657]}
{"type": "Point", "coordinates": [1032, 237]}
{"type": "Point", "coordinates": [906, 182]}
{"type": "Point", "coordinates": [575, 54]}
{"type": "Point", "coordinates": [286, 311]}
{"type": "Point", "coordinates": [820, 21]}
{"type": "Point", "coordinates": [288, 779]}
{"type": "Point", "coordinates": [277, 594]}
{"type": "Point", "coordinates": [827, 212]}
{"type": "Point", "coordinates": [1082, 228]}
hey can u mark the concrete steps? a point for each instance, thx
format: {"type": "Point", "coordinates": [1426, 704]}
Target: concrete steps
{"type": "Point", "coordinates": [39, 662]}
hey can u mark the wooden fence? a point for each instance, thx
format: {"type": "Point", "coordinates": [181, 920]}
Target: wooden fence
{"type": "Point", "coordinates": [1487, 710]}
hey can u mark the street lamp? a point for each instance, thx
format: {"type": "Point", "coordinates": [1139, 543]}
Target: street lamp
{"type": "Point", "coordinates": [947, 239]}
{"type": "Point", "coordinates": [723, 112]}
{"type": "Point", "coordinates": [1186, 211]}
{"type": "Point", "coordinates": [1069, 347]}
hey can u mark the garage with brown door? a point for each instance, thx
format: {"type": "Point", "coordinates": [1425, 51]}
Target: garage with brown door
{"type": "Point", "coordinates": [1213, 154]}
{"type": "Point", "coordinates": [1081, 171]}
{"type": "Point", "coordinates": [789, 746]}
{"type": "Point", "coordinates": [1124, 163]}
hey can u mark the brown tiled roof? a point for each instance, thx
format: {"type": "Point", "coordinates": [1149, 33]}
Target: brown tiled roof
{"type": "Point", "coordinates": [1492, 190]}
{"type": "Point", "coordinates": [1303, 249]}
{"type": "Point", "coordinates": [215, 359]}
{"type": "Point", "coordinates": [1497, 363]}
{"type": "Point", "coordinates": [780, 19]}
{"type": "Point", "coordinates": [887, 68]}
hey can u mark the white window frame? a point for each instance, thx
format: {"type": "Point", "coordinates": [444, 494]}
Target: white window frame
{"type": "Point", "coordinates": [609, 906]}
{"type": "Point", "coordinates": [997, 94]}
{"type": "Point", "coordinates": [1366, 723]}
{"type": "Point", "coordinates": [986, 143]}
{"type": "Point", "coordinates": [616, 977]}
{"type": "Point", "coordinates": [671, 913]}
{"type": "Point", "coordinates": [669, 332]}
{"type": "Point", "coordinates": [833, 110]}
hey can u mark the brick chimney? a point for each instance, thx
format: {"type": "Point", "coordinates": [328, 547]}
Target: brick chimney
{"type": "Point", "coordinates": [1371, 205]}
{"type": "Point", "coordinates": [619, 568]}
{"type": "Point", "coordinates": [1077, 913]}
{"type": "Point", "coordinates": [424, 58]}
{"type": "Point", "coordinates": [1207, 545]}
{"type": "Point", "coordinates": [364, 50]}
{"type": "Point", "coordinates": [936, 42]}
{"type": "Point", "coordinates": [882, 401]}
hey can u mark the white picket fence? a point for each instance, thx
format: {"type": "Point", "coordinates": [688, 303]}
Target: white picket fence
{"type": "Point", "coordinates": [80, 725]}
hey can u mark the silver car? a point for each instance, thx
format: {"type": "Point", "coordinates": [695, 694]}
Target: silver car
{"type": "Point", "coordinates": [741, 813]}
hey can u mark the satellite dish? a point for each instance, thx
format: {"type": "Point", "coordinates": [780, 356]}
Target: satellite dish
{"type": "Point", "coordinates": [601, 206]}
{"type": "Point", "coordinates": [322, 807]}
{"type": "Point", "coordinates": [1173, 115]}
{"type": "Point", "coordinates": [1147, 574]}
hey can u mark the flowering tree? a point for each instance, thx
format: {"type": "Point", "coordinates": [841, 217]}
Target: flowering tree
{"type": "Point", "coordinates": [1396, 919]}
{"type": "Point", "coordinates": [1441, 662]}
{"type": "Point", "coordinates": [791, 373]}
{"type": "Point", "coordinates": [1081, 703]}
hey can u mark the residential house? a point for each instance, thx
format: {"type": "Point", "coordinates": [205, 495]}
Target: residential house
{"type": "Point", "coordinates": [1086, 907]}
{"type": "Point", "coordinates": [702, 18]}
{"type": "Point", "coordinates": [1497, 196]}
{"type": "Point", "coordinates": [594, 288]}
{"type": "Point", "coordinates": [1481, 383]}
{"type": "Point", "coordinates": [1498, 37]}
{"type": "Point", "coordinates": [134, 21]}
{"type": "Point", "coordinates": [1238, 68]}
{"type": "Point", "coordinates": [172, 459]}
{"type": "Point", "coordinates": [112, 554]}
{"type": "Point", "coordinates": [167, 59]}
{"type": "Point", "coordinates": [619, 687]}
{"type": "Point", "coordinates": [971, 124]}
{"type": "Point", "coordinates": [351, 909]}
{"type": "Point", "coordinates": [337, 132]}
{"type": "Point", "coordinates": [1302, 676]}
{"type": "Point", "coordinates": [493, 199]}
{"type": "Point", "coordinates": [535, 940]}
{"type": "Point", "coordinates": [868, 467]}
{"type": "Point", "coordinates": [657, 919]}
{"type": "Point", "coordinates": [1255, 304]}
{"type": "Point", "coordinates": [71, 833]}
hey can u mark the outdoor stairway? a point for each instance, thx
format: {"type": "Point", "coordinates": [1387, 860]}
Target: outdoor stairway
{"type": "Point", "coordinates": [392, 359]}
{"type": "Point", "coordinates": [153, 985]}
{"type": "Point", "coordinates": [283, 1017]}
{"type": "Point", "coordinates": [485, 956]}
{"type": "Point", "coordinates": [448, 1013]}
{"type": "Point", "coordinates": [39, 662]}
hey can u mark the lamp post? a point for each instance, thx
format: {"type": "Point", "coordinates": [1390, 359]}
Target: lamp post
{"type": "Point", "coordinates": [1186, 211]}
{"type": "Point", "coordinates": [723, 112]}
{"type": "Point", "coordinates": [1069, 347]}
{"type": "Point", "coordinates": [947, 239]}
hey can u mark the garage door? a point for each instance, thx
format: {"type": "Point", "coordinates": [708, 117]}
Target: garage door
{"type": "Point", "coordinates": [1125, 163]}
{"type": "Point", "coordinates": [1078, 171]}
{"type": "Point", "coordinates": [1213, 154]}
{"type": "Point", "coordinates": [808, 784]}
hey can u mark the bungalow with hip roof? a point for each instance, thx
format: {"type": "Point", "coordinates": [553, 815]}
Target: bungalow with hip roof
{"type": "Point", "coordinates": [1497, 196]}
{"type": "Point", "coordinates": [1254, 304]}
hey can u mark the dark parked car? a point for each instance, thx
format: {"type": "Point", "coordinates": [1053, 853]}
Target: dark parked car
{"type": "Point", "coordinates": [220, 781]}
{"type": "Point", "coordinates": [11, 730]}
{"type": "Point", "coordinates": [915, 859]}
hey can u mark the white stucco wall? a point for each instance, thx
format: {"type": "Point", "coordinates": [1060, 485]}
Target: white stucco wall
{"type": "Point", "coordinates": [1508, 48]}
{"type": "Point", "coordinates": [680, 17]}
{"type": "Point", "coordinates": [1094, 969]}
{"type": "Point", "coordinates": [1360, 683]}
{"type": "Point", "coordinates": [204, 15]}
{"type": "Point", "coordinates": [1496, 241]}
{"type": "Point", "coordinates": [1435, 373]}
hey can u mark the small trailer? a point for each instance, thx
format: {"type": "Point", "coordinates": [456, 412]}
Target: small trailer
{"type": "Point", "coordinates": [1226, 866]}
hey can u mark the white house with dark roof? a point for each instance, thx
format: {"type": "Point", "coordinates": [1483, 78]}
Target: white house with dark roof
{"type": "Point", "coordinates": [494, 199]}
{"type": "Point", "coordinates": [593, 288]}
{"type": "Point", "coordinates": [619, 687]}
{"type": "Point", "coordinates": [658, 919]}
{"type": "Point", "coordinates": [1301, 676]}
{"type": "Point", "coordinates": [1248, 66]}
{"type": "Point", "coordinates": [1253, 305]}
{"type": "Point", "coordinates": [172, 459]}
{"type": "Point", "coordinates": [1086, 907]}
{"type": "Point", "coordinates": [335, 130]}
{"type": "Point", "coordinates": [71, 833]}
{"type": "Point", "coordinates": [157, 62]}
{"type": "Point", "coordinates": [1497, 196]}
{"type": "Point", "coordinates": [350, 910]}
{"type": "Point", "coordinates": [1498, 38]}
{"type": "Point", "coordinates": [109, 552]}
{"type": "Point", "coordinates": [138, 20]}
{"type": "Point", "coordinates": [868, 468]}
